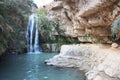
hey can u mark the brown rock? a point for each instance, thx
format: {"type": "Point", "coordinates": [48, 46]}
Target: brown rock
{"type": "Point", "coordinates": [85, 17]}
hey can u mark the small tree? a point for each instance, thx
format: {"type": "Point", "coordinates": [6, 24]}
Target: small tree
{"type": "Point", "coordinates": [46, 26]}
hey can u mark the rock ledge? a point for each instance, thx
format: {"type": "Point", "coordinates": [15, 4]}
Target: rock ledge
{"type": "Point", "coordinates": [100, 62]}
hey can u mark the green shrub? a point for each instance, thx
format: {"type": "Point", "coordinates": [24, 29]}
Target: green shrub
{"type": "Point", "coordinates": [46, 26]}
{"type": "Point", "coordinates": [115, 29]}
{"type": "Point", "coordinates": [42, 13]}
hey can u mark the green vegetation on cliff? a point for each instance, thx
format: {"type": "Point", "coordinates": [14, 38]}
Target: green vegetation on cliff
{"type": "Point", "coordinates": [115, 29]}
{"type": "Point", "coordinates": [46, 26]}
{"type": "Point", "coordinates": [50, 32]}
{"type": "Point", "coordinates": [13, 19]}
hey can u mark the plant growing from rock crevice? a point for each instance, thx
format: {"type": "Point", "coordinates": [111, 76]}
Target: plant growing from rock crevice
{"type": "Point", "coordinates": [46, 26]}
{"type": "Point", "coordinates": [51, 32]}
{"type": "Point", "coordinates": [115, 29]}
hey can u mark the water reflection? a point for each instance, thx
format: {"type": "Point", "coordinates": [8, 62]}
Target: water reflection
{"type": "Point", "coordinates": [32, 67]}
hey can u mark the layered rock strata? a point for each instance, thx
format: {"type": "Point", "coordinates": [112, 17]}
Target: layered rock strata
{"type": "Point", "coordinates": [85, 17]}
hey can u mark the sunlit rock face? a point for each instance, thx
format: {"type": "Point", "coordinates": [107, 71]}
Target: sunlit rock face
{"type": "Point", "coordinates": [85, 17]}
{"type": "Point", "coordinates": [100, 62]}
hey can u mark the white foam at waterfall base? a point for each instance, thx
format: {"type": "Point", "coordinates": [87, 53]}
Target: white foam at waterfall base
{"type": "Point", "coordinates": [32, 34]}
{"type": "Point", "coordinates": [34, 52]}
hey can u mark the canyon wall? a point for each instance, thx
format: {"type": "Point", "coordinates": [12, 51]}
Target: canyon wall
{"type": "Point", "coordinates": [89, 20]}
{"type": "Point", "coordinates": [84, 18]}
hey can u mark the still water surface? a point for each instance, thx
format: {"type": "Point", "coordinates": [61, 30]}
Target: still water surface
{"type": "Point", "coordinates": [32, 67]}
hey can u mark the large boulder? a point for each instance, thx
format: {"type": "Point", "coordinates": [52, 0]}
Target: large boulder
{"type": "Point", "coordinates": [100, 62]}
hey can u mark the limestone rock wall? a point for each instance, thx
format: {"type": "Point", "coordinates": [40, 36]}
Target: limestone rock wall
{"type": "Point", "coordinates": [100, 62]}
{"type": "Point", "coordinates": [85, 17]}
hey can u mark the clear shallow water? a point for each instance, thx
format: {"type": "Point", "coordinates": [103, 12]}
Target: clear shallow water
{"type": "Point", "coordinates": [32, 67]}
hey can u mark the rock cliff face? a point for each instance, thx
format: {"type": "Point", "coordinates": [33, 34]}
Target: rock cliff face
{"type": "Point", "coordinates": [51, 47]}
{"type": "Point", "coordinates": [100, 62]}
{"type": "Point", "coordinates": [85, 17]}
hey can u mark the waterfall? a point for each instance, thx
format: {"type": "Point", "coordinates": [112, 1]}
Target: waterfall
{"type": "Point", "coordinates": [32, 34]}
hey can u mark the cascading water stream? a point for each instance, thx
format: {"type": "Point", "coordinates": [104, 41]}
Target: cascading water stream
{"type": "Point", "coordinates": [32, 34]}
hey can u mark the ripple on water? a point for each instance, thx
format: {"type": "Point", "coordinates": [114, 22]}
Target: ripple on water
{"type": "Point", "coordinates": [32, 67]}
